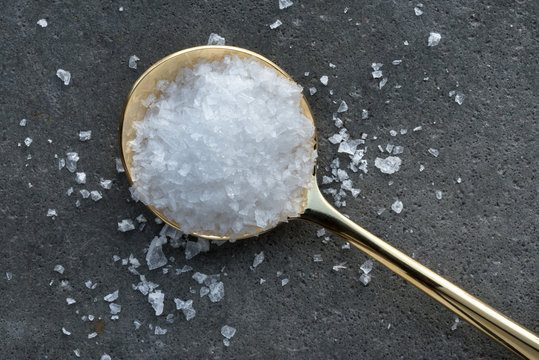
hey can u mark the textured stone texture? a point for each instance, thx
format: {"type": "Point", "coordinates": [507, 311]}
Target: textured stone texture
{"type": "Point", "coordinates": [482, 234]}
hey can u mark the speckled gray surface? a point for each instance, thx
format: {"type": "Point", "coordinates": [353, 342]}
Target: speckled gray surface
{"type": "Point", "coordinates": [482, 234]}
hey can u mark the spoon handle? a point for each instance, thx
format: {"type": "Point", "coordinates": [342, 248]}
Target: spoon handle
{"type": "Point", "coordinates": [499, 327]}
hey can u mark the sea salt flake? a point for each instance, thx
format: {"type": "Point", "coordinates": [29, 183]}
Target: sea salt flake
{"type": "Point", "coordinates": [397, 206]}
{"type": "Point", "coordinates": [70, 301]}
{"type": "Point", "coordinates": [377, 74]}
{"type": "Point", "coordinates": [324, 80]}
{"type": "Point", "coordinates": [365, 279]}
{"type": "Point", "coordinates": [342, 107]}
{"type": "Point", "coordinates": [418, 128]}
{"type": "Point", "coordinates": [421, 168]}
{"type": "Point", "coordinates": [333, 66]}
{"type": "Point", "coordinates": [112, 296]}
{"type": "Point", "coordinates": [396, 62]}
{"type": "Point", "coordinates": [106, 184]}
{"type": "Point", "coordinates": [217, 291]}
{"type": "Point", "coordinates": [404, 131]}
{"type": "Point", "coordinates": [226, 342]}
{"type": "Point", "coordinates": [199, 277]}
{"type": "Point", "coordinates": [389, 165]}
{"type": "Point", "coordinates": [159, 331]}
{"type": "Point", "coordinates": [119, 165]}
{"type": "Point", "coordinates": [22, 122]}
{"type": "Point", "coordinates": [320, 232]}
{"type": "Point", "coordinates": [382, 83]}
{"type": "Point", "coordinates": [95, 195]}
{"type": "Point", "coordinates": [28, 141]}
{"type": "Point", "coordinates": [284, 282]}
{"type": "Point", "coordinates": [364, 114]}
{"type": "Point", "coordinates": [216, 39]}
{"type": "Point", "coordinates": [459, 180]}
{"type": "Point", "coordinates": [312, 90]}
{"type": "Point", "coordinates": [438, 195]}
{"type": "Point", "coordinates": [317, 258]}
{"type": "Point", "coordinates": [156, 299]}
{"type": "Point", "coordinates": [71, 161]}
{"type": "Point", "coordinates": [105, 357]}
{"type": "Point", "coordinates": [406, 43]}
{"type": "Point", "coordinates": [283, 4]}
{"type": "Point", "coordinates": [339, 267]}
{"type": "Point", "coordinates": [380, 211]}
{"type": "Point", "coordinates": [85, 135]}
{"type": "Point", "coordinates": [64, 75]}
{"type": "Point", "coordinates": [115, 308]}
{"type": "Point", "coordinates": [186, 307]}
{"type": "Point", "coordinates": [43, 23]}
{"type": "Point", "coordinates": [155, 257]}
{"type": "Point", "coordinates": [92, 335]}
{"type": "Point", "coordinates": [66, 332]}
{"type": "Point", "coordinates": [59, 268]}
{"type": "Point", "coordinates": [61, 164]}
{"type": "Point", "coordinates": [434, 39]}
{"type": "Point", "coordinates": [398, 150]}
{"type": "Point", "coordinates": [459, 98]}
{"type": "Point", "coordinates": [76, 352]}
{"type": "Point", "coordinates": [80, 178]}
{"type": "Point", "coordinates": [434, 152]}
{"type": "Point", "coordinates": [228, 331]}
{"type": "Point", "coordinates": [9, 275]}
{"type": "Point", "coordinates": [133, 61]}
{"type": "Point", "coordinates": [52, 213]}
{"type": "Point", "coordinates": [452, 93]}
{"type": "Point", "coordinates": [366, 267]}
{"type": "Point", "coordinates": [126, 225]}
{"type": "Point", "coordinates": [276, 24]}
{"type": "Point", "coordinates": [393, 132]}
{"type": "Point", "coordinates": [418, 11]}
{"type": "Point", "coordinates": [84, 193]}
{"type": "Point", "coordinates": [258, 259]}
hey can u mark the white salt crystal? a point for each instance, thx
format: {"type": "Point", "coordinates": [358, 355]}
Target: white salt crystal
{"type": "Point", "coordinates": [85, 135]}
{"type": "Point", "coordinates": [199, 277]}
{"type": "Point", "coordinates": [382, 83]}
{"type": "Point", "coordinates": [217, 291]}
{"type": "Point", "coordinates": [92, 335]}
{"type": "Point", "coordinates": [434, 39]}
{"type": "Point", "coordinates": [333, 66]}
{"type": "Point", "coordinates": [186, 307]}
{"type": "Point", "coordinates": [115, 308]}
{"type": "Point", "coordinates": [64, 75]}
{"type": "Point", "coordinates": [121, 8]}
{"type": "Point", "coordinates": [365, 279]}
{"type": "Point", "coordinates": [76, 352]}
{"type": "Point", "coordinates": [155, 258]}
{"type": "Point", "coordinates": [115, 258]}
{"type": "Point", "coordinates": [85, 193]}
{"type": "Point", "coordinates": [366, 267]}
{"type": "Point", "coordinates": [9, 275]}
{"type": "Point", "coordinates": [80, 178]}
{"type": "Point", "coordinates": [364, 114]}
{"type": "Point", "coordinates": [95, 195]}
{"type": "Point", "coordinates": [276, 24]}
{"type": "Point", "coordinates": [459, 98]}
{"type": "Point", "coordinates": [42, 22]}
{"type": "Point", "coordinates": [376, 74]}
{"type": "Point", "coordinates": [226, 342]}
{"type": "Point", "coordinates": [106, 184]}
{"type": "Point", "coordinates": [216, 39]}
{"type": "Point", "coordinates": [52, 213]}
{"type": "Point", "coordinates": [284, 282]}
{"type": "Point", "coordinates": [418, 11]}
{"type": "Point", "coordinates": [258, 259]}
{"type": "Point", "coordinates": [133, 61]}
{"type": "Point", "coordinates": [156, 299]}
{"type": "Point", "coordinates": [71, 161]}
{"type": "Point", "coordinates": [406, 43]}
{"type": "Point", "coordinates": [434, 152]}
{"type": "Point", "coordinates": [438, 195]}
{"type": "Point", "coordinates": [452, 92]}
{"type": "Point", "coordinates": [393, 133]}
{"type": "Point", "coordinates": [159, 331]}
{"type": "Point", "coordinates": [339, 267]}
{"type": "Point", "coordinates": [324, 80]}
{"type": "Point", "coordinates": [228, 331]}
{"type": "Point", "coordinates": [455, 324]}
{"type": "Point", "coordinates": [320, 232]}
{"type": "Point", "coordinates": [137, 324]}
{"type": "Point", "coordinates": [317, 258]}
{"type": "Point", "coordinates": [105, 357]}
{"type": "Point", "coordinates": [59, 268]}
{"type": "Point", "coordinates": [381, 211]}
{"type": "Point", "coordinates": [283, 4]}
{"type": "Point", "coordinates": [112, 296]}
{"type": "Point", "coordinates": [22, 122]}
{"type": "Point", "coordinates": [312, 90]}
{"type": "Point", "coordinates": [397, 206]}
{"type": "Point", "coordinates": [126, 225]}
{"type": "Point", "coordinates": [119, 165]}
{"type": "Point", "coordinates": [342, 107]}
{"type": "Point", "coordinates": [396, 62]}
{"type": "Point", "coordinates": [61, 164]}
{"type": "Point", "coordinates": [376, 66]}
{"type": "Point", "coordinates": [70, 301]}
{"type": "Point", "coordinates": [389, 148]}
{"type": "Point", "coordinates": [398, 150]}
{"type": "Point", "coordinates": [421, 168]}
{"type": "Point", "coordinates": [28, 141]}
{"type": "Point", "coordinates": [418, 128]}
{"type": "Point", "coordinates": [459, 180]}
{"type": "Point", "coordinates": [389, 165]}
{"type": "Point", "coordinates": [90, 285]}
{"type": "Point", "coordinates": [140, 218]}
{"type": "Point", "coordinates": [404, 131]}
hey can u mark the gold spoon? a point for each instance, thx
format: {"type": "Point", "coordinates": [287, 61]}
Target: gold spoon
{"type": "Point", "coordinates": [317, 210]}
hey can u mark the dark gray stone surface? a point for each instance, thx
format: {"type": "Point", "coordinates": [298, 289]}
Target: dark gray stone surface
{"type": "Point", "coordinates": [482, 234]}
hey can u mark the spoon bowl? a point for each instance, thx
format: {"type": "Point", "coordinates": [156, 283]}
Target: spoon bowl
{"type": "Point", "coordinates": [317, 210]}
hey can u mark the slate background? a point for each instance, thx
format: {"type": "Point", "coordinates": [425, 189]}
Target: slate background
{"type": "Point", "coordinates": [482, 234]}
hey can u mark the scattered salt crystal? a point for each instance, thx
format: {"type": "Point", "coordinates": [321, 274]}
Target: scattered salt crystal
{"type": "Point", "coordinates": [105, 184]}
{"type": "Point", "coordinates": [376, 66]}
{"type": "Point", "coordinates": [389, 148]}
{"type": "Point", "coordinates": [389, 165]}
{"type": "Point", "coordinates": [126, 225]}
{"type": "Point", "coordinates": [455, 324]}
{"type": "Point", "coordinates": [92, 335]}
{"type": "Point", "coordinates": [28, 141]}
{"type": "Point", "coordinates": [364, 114]}
{"type": "Point", "coordinates": [30, 185]}
{"type": "Point", "coordinates": [228, 331]}
{"type": "Point", "coordinates": [159, 331]}
{"type": "Point", "coordinates": [61, 164]}
{"type": "Point", "coordinates": [76, 352]}
{"type": "Point", "coordinates": [140, 218]}
{"type": "Point", "coordinates": [452, 93]}
{"type": "Point", "coordinates": [204, 291]}
{"type": "Point", "coordinates": [216, 39]}
{"type": "Point", "coordinates": [52, 213]}
{"type": "Point", "coordinates": [71, 161]}
{"type": "Point", "coordinates": [105, 357]}
{"type": "Point", "coordinates": [59, 268]}
{"type": "Point", "coordinates": [366, 267]}
{"type": "Point", "coordinates": [396, 62]}
{"type": "Point", "coordinates": [258, 259]}
{"type": "Point", "coordinates": [339, 267]}
{"type": "Point", "coordinates": [317, 258]}
{"type": "Point", "coordinates": [199, 277]}
{"type": "Point", "coordinates": [418, 128]}
{"type": "Point", "coordinates": [434, 39]}
{"type": "Point", "coordinates": [404, 131]}
{"type": "Point", "coordinates": [345, 246]}
{"type": "Point", "coordinates": [115, 308]}
{"type": "Point", "coordinates": [90, 285]}
{"type": "Point", "coordinates": [133, 61]}
{"type": "Point", "coordinates": [459, 180]}
{"type": "Point", "coordinates": [382, 83]}
{"type": "Point", "coordinates": [393, 133]}
{"type": "Point", "coordinates": [85, 135]}
{"type": "Point", "coordinates": [155, 258]}
{"type": "Point", "coordinates": [377, 74]}
{"type": "Point", "coordinates": [80, 178]}
{"type": "Point", "coordinates": [398, 150]}
{"type": "Point", "coordinates": [438, 195]}
{"type": "Point", "coordinates": [115, 258]}
{"type": "Point", "coordinates": [284, 282]}
{"type": "Point", "coordinates": [112, 296]}
{"type": "Point", "coordinates": [42, 22]}
{"type": "Point", "coordinates": [96, 195]}
{"type": "Point", "coordinates": [22, 122]}
{"type": "Point", "coordinates": [434, 152]}
{"type": "Point", "coordinates": [342, 107]}
{"type": "Point", "coordinates": [421, 168]}
{"type": "Point", "coordinates": [9, 275]}
{"type": "Point", "coordinates": [85, 193]}
{"type": "Point", "coordinates": [324, 80]}
{"type": "Point", "coordinates": [365, 279]}
{"type": "Point", "coordinates": [397, 206]}
{"type": "Point", "coordinates": [121, 8]}
{"type": "Point", "coordinates": [137, 324]}
{"type": "Point", "coordinates": [312, 90]}
{"type": "Point", "coordinates": [192, 249]}
{"type": "Point", "coordinates": [406, 43]}
{"type": "Point", "coordinates": [418, 11]}
{"type": "Point", "coordinates": [64, 75]}
{"type": "Point", "coordinates": [66, 332]}
{"type": "Point", "coordinates": [283, 4]}
{"type": "Point", "coordinates": [276, 24]}
{"type": "Point", "coordinates": [459, 98]}
{"type": "Point", "coordinates": [186, 307]}
{"type": "Point", "coordinates": [226, 342]}
{"type": "Point", "coordinates": [70, 301]}
{"type": "Point", "coordinates": [320, 232]}
{"type": "Point", "coordinates": [119, 165]}
{"type": "Point", "coordinates": [381, 211]}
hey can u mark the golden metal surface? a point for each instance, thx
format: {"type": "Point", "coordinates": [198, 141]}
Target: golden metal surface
{"type": "Point", "coordinates": [167, 69]}
{"type": "Point", "coordinates": [317, 210]}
